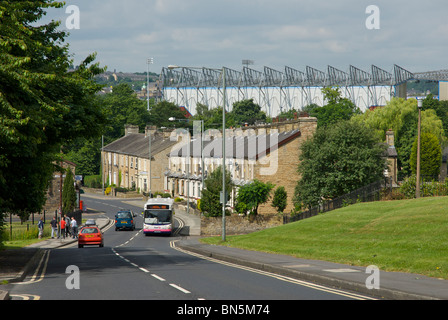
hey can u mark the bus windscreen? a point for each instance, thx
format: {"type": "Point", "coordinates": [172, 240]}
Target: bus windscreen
{"type": "Point", "coordinates": [158, 216]}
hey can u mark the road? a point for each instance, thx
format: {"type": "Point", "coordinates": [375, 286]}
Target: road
{"type": "Point", "coordinates": [132, 266]}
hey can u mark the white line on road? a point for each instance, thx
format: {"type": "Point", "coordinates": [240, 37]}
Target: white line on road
{"type": "Point", "coordinates": [179, 288]}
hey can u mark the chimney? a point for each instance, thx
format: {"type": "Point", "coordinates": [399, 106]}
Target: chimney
{"type": "Point", "coordinates": [390, 140]}
{"type": "Point", "coordinates": [130, 129]}
{"type": "Point", "coordinates": [150, 130]}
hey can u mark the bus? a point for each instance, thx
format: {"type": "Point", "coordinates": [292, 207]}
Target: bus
{"type": "Point", "coordinates": [158, 216]}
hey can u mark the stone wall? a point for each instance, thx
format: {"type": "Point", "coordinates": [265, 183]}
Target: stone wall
{"type": "Point", "coordinates": [235, 224]}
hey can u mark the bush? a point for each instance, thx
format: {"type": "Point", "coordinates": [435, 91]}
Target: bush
{"type": "Point", "coordinates": [427, 189]}
{"type": "Point", "coordinates": [93, 181]}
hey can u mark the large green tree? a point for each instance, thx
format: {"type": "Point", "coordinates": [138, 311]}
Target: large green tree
{"type": "Point", "coordinates": [210, 201]}
{"type": "Point", "coordinates": [337, 160]}
{"type": "Point", "coordinates": [401, 116]}
{"type": "Point", "coordinates": [123, 107]}
{"type": "Point", "coordinates": [430, 154]}
{"type": "Point", "coordinates": [43, 104]}
{"type": "Point", "coordinates": [247, 111]}
{"type": "Point", "coordinates": [336, 108]}
{"type": "Point", "coordinates": [68, 193]}
{"type": "Point", "coordinates": [253, 194]}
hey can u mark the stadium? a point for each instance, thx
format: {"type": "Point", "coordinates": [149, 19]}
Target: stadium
{"type": "Point", "coordinates": [280, 91]}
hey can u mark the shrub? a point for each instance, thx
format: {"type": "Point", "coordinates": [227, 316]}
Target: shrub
{"type": "Point", "coordinates": [93, 181]}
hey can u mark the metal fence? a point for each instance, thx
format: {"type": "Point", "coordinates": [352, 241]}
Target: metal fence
{"type": "Point", "coordinates": [369, 193]}
{"type": "Point", "coordinates": [12, 226]}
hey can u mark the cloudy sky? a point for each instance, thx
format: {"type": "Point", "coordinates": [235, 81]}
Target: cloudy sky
{"type": "Point", "coordinates": [296, 33]}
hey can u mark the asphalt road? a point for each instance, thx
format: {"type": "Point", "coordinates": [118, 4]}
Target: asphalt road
{"type": "Point", "coordinates": [132, 266]}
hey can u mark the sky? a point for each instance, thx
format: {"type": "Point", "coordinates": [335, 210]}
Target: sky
{"type": "Point", "coordinates": [295, 33]}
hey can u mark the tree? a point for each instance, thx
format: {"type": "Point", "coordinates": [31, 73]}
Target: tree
{"type": "Point", "coordinates": [123, 107]}
{"type": "Point", "coordinates": [254, 194]}
{"type": "Point", "coordinates": [336, 109]}
{"type": "Point", "coordinates": [43, 104]}
{"type": "Point", "coordinates": [246, 111]}
{"type": "Point", "coordinates": [160, 113]}
{"type": "Point", "coordinates": [210, 200]}
{"type": "Point", "coordinates": [430, 154]}
{"type": "Point", "coordinates": [337, 160]}
{"type": "Point", "coordinates": [68, 193]}
{"type": "Point", "coordinates": [279, 200]}
{"type": "Point", "coordinates": [401, 116]}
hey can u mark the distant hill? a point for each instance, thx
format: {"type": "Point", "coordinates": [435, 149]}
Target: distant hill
{"type": "Point", "coordinates": [135, 80]}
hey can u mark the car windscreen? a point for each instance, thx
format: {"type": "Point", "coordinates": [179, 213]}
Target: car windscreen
{"type": "Point", "coordinates": [89, 230]}
{"type": "Point", "coordinates": [124, 215]}
{"type": "Point", "coordinates": [157, 216]}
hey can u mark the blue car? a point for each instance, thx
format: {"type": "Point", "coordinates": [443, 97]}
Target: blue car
{"type": "Point", "coordinates": [125, 220]}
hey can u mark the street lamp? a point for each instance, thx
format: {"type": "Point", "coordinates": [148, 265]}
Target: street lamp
{"type": "Point", "coordinates": [223, 72]}
{"type": "Point", "coordinates": [417, 187]}
{"type": "Point", "coordinates": [149, 61]}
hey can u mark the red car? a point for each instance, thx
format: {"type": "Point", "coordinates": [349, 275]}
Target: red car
{"type": "Point", "coordinates": [90, 235]}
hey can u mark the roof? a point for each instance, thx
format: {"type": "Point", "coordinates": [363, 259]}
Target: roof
{"type": "Point", "coordinates": [137, 144]}
{"type": "Point", "coordinates": [238, 147]}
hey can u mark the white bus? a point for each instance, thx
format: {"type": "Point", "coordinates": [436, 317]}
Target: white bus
{"type": "Point", "coordinates": [158, 216]}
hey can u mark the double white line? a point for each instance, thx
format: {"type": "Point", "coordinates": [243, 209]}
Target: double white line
{"type": "Point", "coordinates": [277, 276]}
{"type": "Point", "coordinates": [39, 274]}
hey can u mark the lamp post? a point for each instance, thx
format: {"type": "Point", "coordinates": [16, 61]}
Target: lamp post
{"type": "Point", "coordinates": [223, 72]}
{"type": "Point", "coordinates": [149, 61]}
{"type": "Point", "coordinates": [417, 187]}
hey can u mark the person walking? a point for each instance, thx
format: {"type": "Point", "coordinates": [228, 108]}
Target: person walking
{"type": "Point", "coordinates": [74, 227]}
{"type": "Point", "coordinates": [67, 226]}
{"type": "Point", "coordinates": [54, 227]}
{"type": "Point", "coordinates": [40, 226]}
{"type": "Point", "coordinates": [63, 225]}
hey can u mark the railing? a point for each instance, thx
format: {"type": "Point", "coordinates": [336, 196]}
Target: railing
{"type": "Point", "coordinates": [369, 193]}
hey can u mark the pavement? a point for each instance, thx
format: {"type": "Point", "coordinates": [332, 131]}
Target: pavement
{"type": "Point", "coordinates": [15, 264]}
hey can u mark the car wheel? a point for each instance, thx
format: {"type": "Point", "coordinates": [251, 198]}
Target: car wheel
{"type": "Point", "coordinates": [80, 246]}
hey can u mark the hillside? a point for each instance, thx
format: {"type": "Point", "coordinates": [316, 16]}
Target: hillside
{"type": "Point", "coordinates": [406, 235]}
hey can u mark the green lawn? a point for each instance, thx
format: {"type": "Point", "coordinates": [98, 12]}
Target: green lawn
{"type": "Point", "coordinates": [406, 235]}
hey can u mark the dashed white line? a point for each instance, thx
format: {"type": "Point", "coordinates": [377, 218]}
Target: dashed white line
{"type": "Point", "coordinates": [152, 274]}
{"type": "Point", "coordinates": [179, 288]}
{"type": "Point", "coordinates": [157, 277]}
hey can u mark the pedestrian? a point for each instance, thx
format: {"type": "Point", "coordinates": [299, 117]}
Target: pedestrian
{"type": "Point", "coordinates": [67, 226]}
{"type": "Point", "coordinates": [63, 224]}
{"type": "Point", "coordinates": [74, 227]}
{"type": "Point", "coordinates": [40, 226]}
{"type": "Point", "coordinates": [54, 227]}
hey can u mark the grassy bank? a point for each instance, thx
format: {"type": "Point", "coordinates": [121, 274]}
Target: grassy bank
{"type": "Point", "coordinates": [406, 235]}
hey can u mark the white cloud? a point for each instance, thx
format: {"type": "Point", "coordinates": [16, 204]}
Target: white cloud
{"type": "Point", "coordinates": [273, 33]}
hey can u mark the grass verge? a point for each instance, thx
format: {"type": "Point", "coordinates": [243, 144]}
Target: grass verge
{"type": "Point", "coordinates": [405, 235]}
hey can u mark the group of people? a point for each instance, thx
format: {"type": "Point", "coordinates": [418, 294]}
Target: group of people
{"type": "Point", "coordinates": [68, 227]}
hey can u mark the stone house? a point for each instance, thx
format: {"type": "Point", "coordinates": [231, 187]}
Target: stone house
{"type": "Point", "coordinates": [268, 152]}
{"type": "Point", "coordinates": [125, 162]}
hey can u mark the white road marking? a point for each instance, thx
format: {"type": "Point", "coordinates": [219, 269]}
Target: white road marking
{"type": "Point", "coordinates": [280, 277]}
{"type": "Point", "coordinates": [179, 288]}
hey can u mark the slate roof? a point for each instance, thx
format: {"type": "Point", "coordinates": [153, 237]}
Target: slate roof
{"type": "Point", "coordinates": [238, 147]}
{"type": "Point", "coordinates": [137, 145]}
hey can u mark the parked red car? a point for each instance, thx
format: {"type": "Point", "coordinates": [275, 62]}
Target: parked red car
{"type": "Point", "coordinates": [90, 235]}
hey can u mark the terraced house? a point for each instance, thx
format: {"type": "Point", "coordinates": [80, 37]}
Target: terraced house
{"type": "Point", "coordinates": [268, 152]}
{"type": "Point", "coordinates": [125, 162]}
